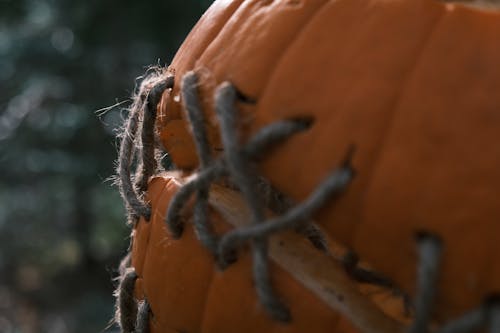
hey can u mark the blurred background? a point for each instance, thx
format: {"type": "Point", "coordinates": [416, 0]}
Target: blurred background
{"type": "Point", "coordinates": [62, 223]}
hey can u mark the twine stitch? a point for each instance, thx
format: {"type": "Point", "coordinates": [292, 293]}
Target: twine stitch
{"type": "Point", "coordinates": [239, 168]}
{"type": "Point", "coordinates": [127, 305]}
{"type": "Point", "coordinates": [350, 262]}
{"type": "Point", "coordinates": [494, 316]}
{"type": "Point", "coordinates": [237, 163]}
{"type": "Point", "coordinates": [142, 115]}
{"type": "Point", "coordinates": [298, 214]}
{"type": "Point", "coordinates": [149, 93]}
{"type": "Point", "coordinates": [429, 247]}
{"type": "Point", "coordinates": [143, 315]}
{"type": "Point", "coordinates": [149, 162]}
{"type": "Point", "coordinates": [265, 138]}
{"type": "Point", "coordinates": [192, 105]}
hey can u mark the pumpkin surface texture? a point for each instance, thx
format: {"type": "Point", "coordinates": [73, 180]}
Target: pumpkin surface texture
{"type": "Point", "coordinates": [189, 295]}
{"type": "Point", "coordinates": [413, 86]}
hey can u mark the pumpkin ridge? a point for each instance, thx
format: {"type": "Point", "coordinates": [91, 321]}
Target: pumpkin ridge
{"type": "Point", "coordinates": [196, 63]}
{"type": "Point", "coordinates": [269, 111]}
{"type": "Point", "coordinates": [208, 44]}
{"type": "Point", "coordinates": [292, 42]}
{"type": "Point", "coordinates": [191, 63]}
{"type": "Point", "coordinates": [169, 255]}
{"type": "Point", "coordinates": [142, 225]}
{"type": "Point", "coordinates": [153, 215]}
{"type": "Point", "coordinates": [394, 110]}
{"type": "Point", "coordinates": [181, 62]}
{"type": "Point", "coordinates": [146, 255]}
{"type": "Point", "coordinates": [249, 13]}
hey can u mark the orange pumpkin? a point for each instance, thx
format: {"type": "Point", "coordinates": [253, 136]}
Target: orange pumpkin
{"type": "Point", "coordinates": [413, 84]}
{"type": "Point", "coordinates": [187, 293]}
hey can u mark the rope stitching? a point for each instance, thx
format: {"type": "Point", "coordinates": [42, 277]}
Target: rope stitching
{"type": "Point", "coordinates": [127, 305]}
{"type": "Point", "coordinates": [142, 112]}
{"type": "Point", "coordinates": [238, 163]}
{"type": "Point", "coordinates": [131, 317]}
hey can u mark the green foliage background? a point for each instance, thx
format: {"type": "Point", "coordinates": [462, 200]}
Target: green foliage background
{"type": "Point", "coordinates": [62, 224]}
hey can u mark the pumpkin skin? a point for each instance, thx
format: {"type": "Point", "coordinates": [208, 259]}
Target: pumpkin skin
{"type": "Point", "coordinates": [187, 293]}
{"type": "Point", "coordinates": [413, 84]}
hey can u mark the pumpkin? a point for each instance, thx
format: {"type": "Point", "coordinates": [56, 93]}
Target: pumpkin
{"type": "Point", "coordinates": [187, 293]}
{"type": "Point", "coordinates": [412, 84]}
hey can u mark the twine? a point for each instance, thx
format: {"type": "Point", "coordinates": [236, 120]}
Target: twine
{"type": "Point", "coordinates": [195, 115]}
{"type": "Point", "coordinates": [429, 247]}
{"type": "Point", "coordinates": [237, 165]}
{"type": "Point", "coordinates": [127, 305]}
{"type": "Point", "coordinates": [143, 106]}
{"type": "Point", "coordinates": [143, 314]}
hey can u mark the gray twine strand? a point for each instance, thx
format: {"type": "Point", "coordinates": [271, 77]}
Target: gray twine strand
{"type": "Point", "coordinates": [132, 317]}
{"type": "Point", "coordinates": [143, 314]}
{"type": "Point", "coordinates": [146, 99]}
{"type": "Point", "coordinates": [238, 166]}
{"type": "Point", "coordinates": [429, 247]}
{"type": "Point", "coordinates": [127, 305]}
{"type": "Point", "coordinates": [136, 206]}
{"type": "Point", "coordinates": [273, 133]}
{"type": "Point", "coordinates": [149, 163]}
{"type": "Point", "coordinates": [125, 263]}
{"type": "Point", "coordinates": [195, 115]}
{"type": "Point", "coordinates": [277, 203]}
{"type": "Point", "coordinates": [144, 106]}
{"type": "Point", "coordinates": [173, 218]}
{"type": "Point", "coordinates": [194, 112]}
{"type": "Point", "coordinates": [494, 318]}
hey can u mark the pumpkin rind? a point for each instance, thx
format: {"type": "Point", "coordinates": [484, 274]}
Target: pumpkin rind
{"type": "Point", "coordinates": [413, 84]}
{"type": "Point", "coordinates": [175, 136]}
{"type": "Point", "coordinates": [187, 293]}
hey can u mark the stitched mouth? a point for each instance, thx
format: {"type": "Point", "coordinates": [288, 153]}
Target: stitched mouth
{"type": "Point", "coordinates": [235, 163]}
